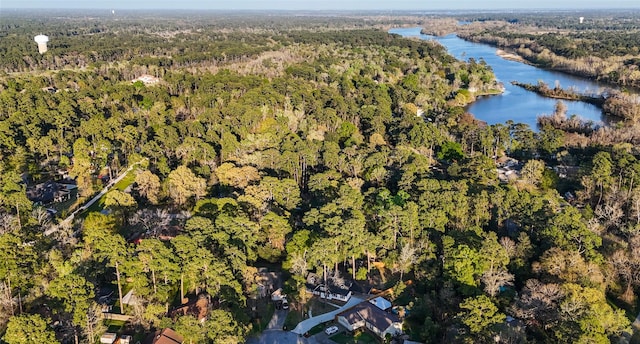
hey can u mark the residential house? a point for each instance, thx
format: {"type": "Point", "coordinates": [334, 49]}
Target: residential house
{"type": "Point", "coordinates": [167, 336]}
{"type": "Point", "coordinates": [368, 315]}
{"type": "Point", "coordinates": [331, 291]}
{"type": "Point", "coordinates": [48, 192]}
{"type": "Point", "coordinates": [381, 303]}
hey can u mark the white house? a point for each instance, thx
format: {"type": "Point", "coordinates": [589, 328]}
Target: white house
{"type": "Point", "coordinates": [368, 315]}
{"type": "Point", "coordinates": [331, 292]}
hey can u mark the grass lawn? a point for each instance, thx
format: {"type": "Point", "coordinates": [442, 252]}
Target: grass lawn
{"type": "Point", "coordinates": [316, 329]}
{"type": "Point", "coordinates": [319, 306]}
{"type": "Point", "coordinates": [128, 179]}
{"type": "Point", "coordinates": [293, 319]}
{"type": "Point", "coordinates": [358, 338]}
{"type": "Point", "coordinates": [114, 325]}
{"type": "Point", "coordinates": [265, 310]}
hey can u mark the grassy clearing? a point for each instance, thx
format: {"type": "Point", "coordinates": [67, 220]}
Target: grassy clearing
{"type": "Point", "coordinates": [127, 180]}
{"type": "Point", "coordinates": [114, 325]}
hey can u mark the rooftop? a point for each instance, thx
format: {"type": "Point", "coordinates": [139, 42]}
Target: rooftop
{"type": "Point", "coordinates": [371, 314]}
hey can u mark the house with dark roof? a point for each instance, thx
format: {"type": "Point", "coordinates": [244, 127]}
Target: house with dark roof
{"type": "Point", "coordinates": [369, 316]}
{"type": "Point", "coordinates": [49, 192]}
{"type": "Point", "coordinates": [331, 290]}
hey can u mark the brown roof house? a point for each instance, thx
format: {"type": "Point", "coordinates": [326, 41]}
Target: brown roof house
{"type": "Point", "coordinates": [167, 336]}
{"type": "Point", "coordinates": [368, 315]}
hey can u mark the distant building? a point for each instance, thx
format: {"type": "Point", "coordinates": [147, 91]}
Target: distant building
{"type": "Point", "coordinates": [147, 79]}
{"type": "Point", "coordinates": [42, 43]}
{"type": "Point", "coordinates": [581, 20]}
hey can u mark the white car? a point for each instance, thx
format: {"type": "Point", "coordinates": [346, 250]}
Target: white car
{"type": "Point", "coordinates": [331, 330]}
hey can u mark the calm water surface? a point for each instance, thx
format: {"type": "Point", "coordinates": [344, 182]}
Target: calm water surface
{"type": "Point", "coordinates": [515, 103]}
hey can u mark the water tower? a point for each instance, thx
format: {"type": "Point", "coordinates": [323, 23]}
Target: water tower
{"type": "Point", "coordinates": [581, 20]}
{"type": "Point", "coordinates": [42, 43]}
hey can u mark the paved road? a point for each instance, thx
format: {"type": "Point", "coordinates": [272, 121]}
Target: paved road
{"type": "Point", "coordinates": [275, 335]}
{"type": "Point", "coordinates": [104, 191]}
{"type": "Point", "coordinates": [280, 337]}
{"type": "Point", "coordinates": [308, 324]}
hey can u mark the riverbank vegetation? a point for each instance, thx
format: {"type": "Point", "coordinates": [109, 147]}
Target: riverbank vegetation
{"type": "Point", "coordinates": [559, 93]}
{"type": "Point", "coordinates": [603, 47]}
{"type": "Point", "coordinates": [616, 104]}
{"type": "Point", "coordinates": [312, 145]}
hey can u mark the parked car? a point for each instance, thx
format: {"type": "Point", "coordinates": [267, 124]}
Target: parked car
{"type": "Point", "coordinates": [331, 330]}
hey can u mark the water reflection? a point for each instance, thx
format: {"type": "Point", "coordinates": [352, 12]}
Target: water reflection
{"type": "Point", "coordinates": [516, 103]}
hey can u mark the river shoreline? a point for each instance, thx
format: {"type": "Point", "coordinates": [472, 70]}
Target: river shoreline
{"type": "Point", "coordinates": [515, 103]}
{"type": "Point", "coordinates": [511, 56]}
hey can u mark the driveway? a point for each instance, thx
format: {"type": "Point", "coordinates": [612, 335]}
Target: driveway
{"type": "Point", "coordinates": [277, 320]}
{"type": "Point", "coordinates": [308, 324]}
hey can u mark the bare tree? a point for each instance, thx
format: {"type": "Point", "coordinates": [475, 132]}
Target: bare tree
{"type": "Point", "coordinates": [7, 303]}
{"type": "Point", "coordinates": [494, 279]}
{"type": "Point", "coordinates": [7, 222]}
{"type": "Point", "coordinates": [538, 302]}
{"type": "Point", "coordinates": [95, 323]}
{"type": "Point", "coordinates": [509, 246]}
{"type": "Point", "coordinates": [610, 213]}
{"type": "Point", "coordinates": [336, 279]}
{"type": "Point", "coordinates": [299, 264]}
{"type": "Point", "coordinates": [42, 217]}
{"type": "Point", "coordinates": [408, 257]}
{"type": "Point", "coordinates": [64, 233]}
{"type": "Point", "coordinates": [153, 222]}
{"type": "Point", "coordinates": [626, 264]}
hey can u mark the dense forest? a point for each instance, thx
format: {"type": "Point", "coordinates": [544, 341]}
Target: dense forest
{"type": "Point", "coordinates": [301, 144]}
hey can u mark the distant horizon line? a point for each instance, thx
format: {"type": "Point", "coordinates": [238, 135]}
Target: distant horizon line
{"type": "Point", "coordinates": [516, 9]}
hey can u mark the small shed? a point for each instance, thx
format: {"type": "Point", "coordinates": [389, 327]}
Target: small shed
{"type": "Point", "coordinates": [108, 338]}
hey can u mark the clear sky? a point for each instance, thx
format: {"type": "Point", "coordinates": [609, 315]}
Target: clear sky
{"type": "Point", "coordinates": [322, 4]}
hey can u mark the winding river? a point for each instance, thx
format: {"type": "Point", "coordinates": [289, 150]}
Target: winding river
{"type": "Point", "coordinates": [515, 103]}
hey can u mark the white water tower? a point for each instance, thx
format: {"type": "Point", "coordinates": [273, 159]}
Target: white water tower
{"type": "Point", "coordinates": [581, 20]}
{"type": "Point", "coordinates": [42, 43]}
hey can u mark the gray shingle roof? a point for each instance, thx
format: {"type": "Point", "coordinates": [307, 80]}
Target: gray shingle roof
{"type": "Point", "coordinates": [371, 314]}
